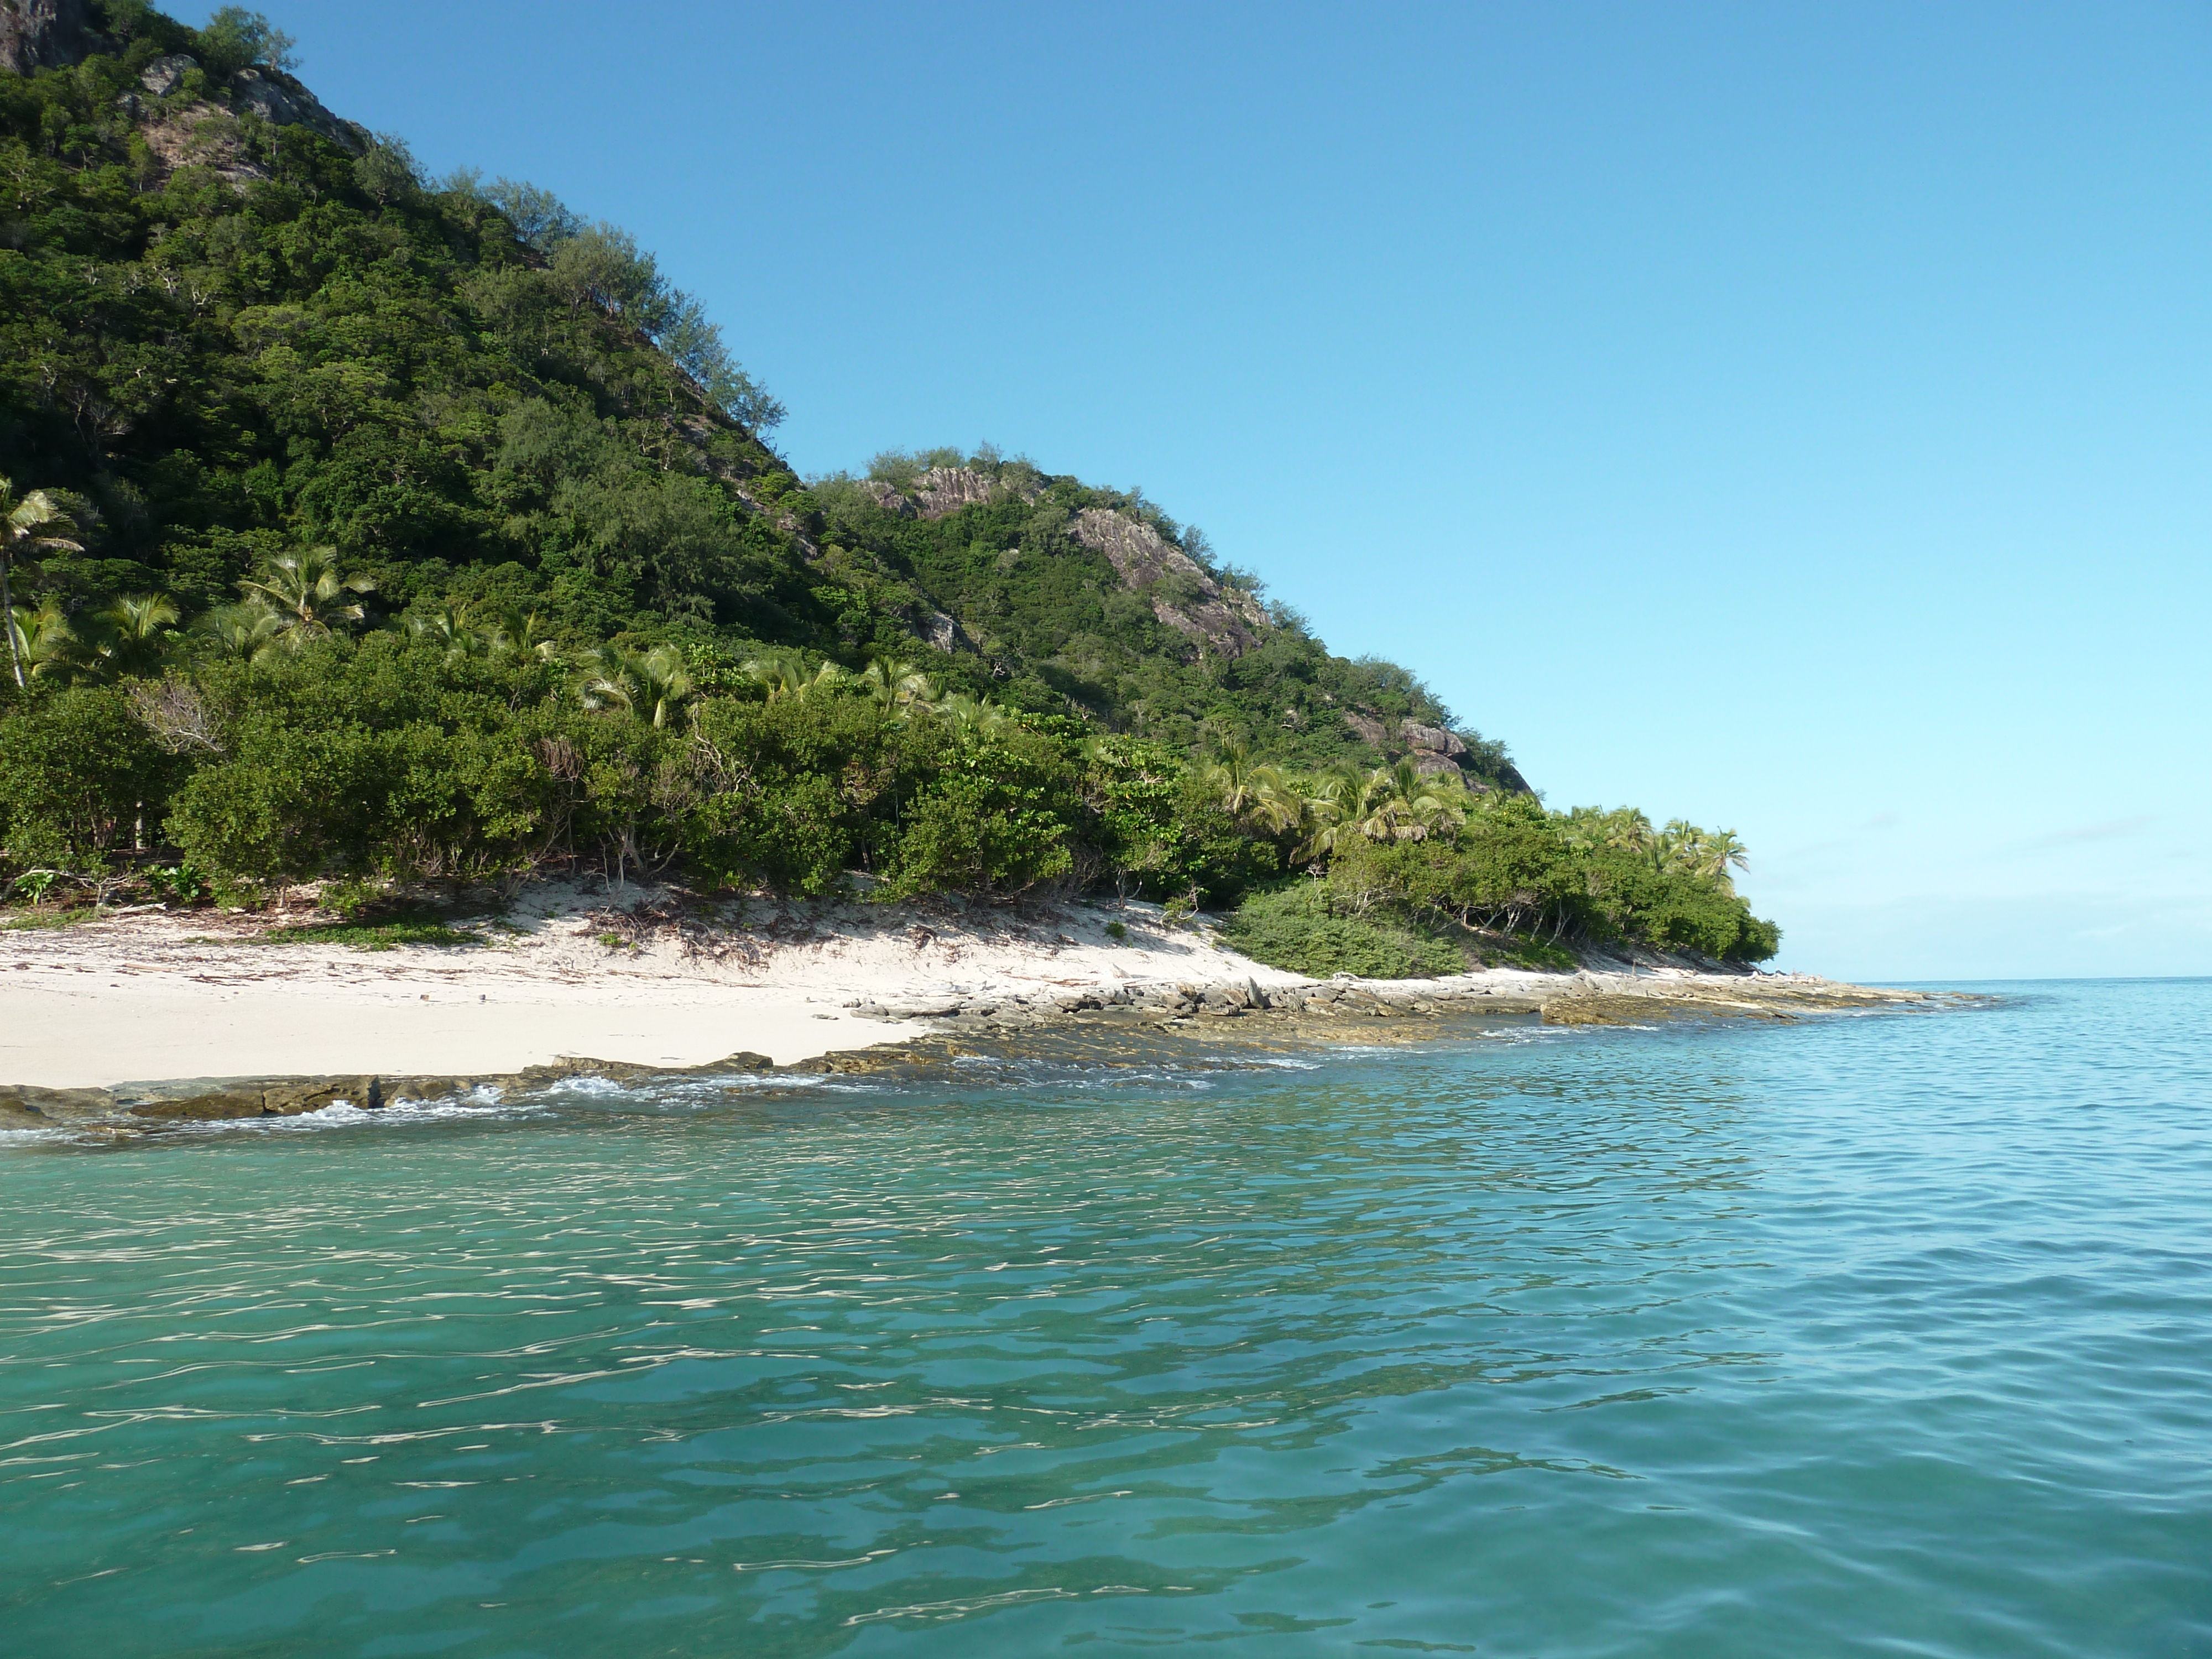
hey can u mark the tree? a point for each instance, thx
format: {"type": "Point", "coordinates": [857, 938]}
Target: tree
{"type": "Point", "coordinates": [237, 633]}
{"type": "Point", "coordinates": [307, 593]}
{"type": "Point", "coordinates": [972, 719]}
{"type": "Point", "coordinates": [540, 217]}
{"type": "Point", "coordinates": [30, 524]}
{"type": "Point", "coordinates": [899, 687]}
{"type": "Point", "coordinates": [388, 172]}
{"type": "Point", "coordinates": [135, 632]}
{"type": "Point", "coordinates": [515, 632]}
{"type": "Point", "coordinates": [44, 645]}
{"type": "Point", "coordinates": [653, 685]}
{"type": "Point", "coordinates": [446, 629]}
{"type": "Point", "coordinates": [783, 676]}
{"type": "Point", "coordinates": [235, 39]}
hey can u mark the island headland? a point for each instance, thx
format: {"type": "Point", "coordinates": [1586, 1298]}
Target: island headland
{"type": "Point", "coordinates": [421, 665]}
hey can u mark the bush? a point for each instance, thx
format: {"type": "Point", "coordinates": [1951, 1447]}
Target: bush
{"type": "Point", "coordinates": [1294, 928]}
{"type": "Point", "coordinates": [78, 774]}
{"type": "Point", "coordinates": [996, 821]}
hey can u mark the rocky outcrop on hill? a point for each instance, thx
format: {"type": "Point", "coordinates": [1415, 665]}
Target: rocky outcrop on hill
{"type": "Point", "coordinates": [941, 631]}
{"type": "Point", "coordinates": [890, 497]}
{"type": "Point", "coordinates": [945, 490]}
{"type": "Point", "coordinates": [1431, 748]}
{"type": "Point", "coordinates": [1183, 596]}
{"type": "Point", "coordinates": [282, 101]}
{"type": "Point", "coordinates": [37, 35]}
{"type": "Point", "coordinates": [939, 493]}
{"type": "Point", "coordinates": [202, 132]}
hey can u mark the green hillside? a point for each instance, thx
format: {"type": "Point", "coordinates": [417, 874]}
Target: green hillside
{"type": "Point", "coordinates": [376, 528]}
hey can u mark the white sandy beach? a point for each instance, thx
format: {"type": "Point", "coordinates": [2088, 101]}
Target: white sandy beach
{"type": "Point", "coordinates": [156, 995]}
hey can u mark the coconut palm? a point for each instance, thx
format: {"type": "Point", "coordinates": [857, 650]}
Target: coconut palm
{"type": "Point", "coordinates": [43, 646]}
{"type": "Point", "coordinates": [135, 632]}
{"type": "Point", "coordinates": [972, 718]}
{"type": "Point", "coordinates": [653, 685]}
{"type": "Point", "coordinates": [1712, 854]}
{"type": "Point", "coordinates": [447, 629]}
{"type": "Point", "coordinates": [308, 593]}
{"type": "Point", "coordinates": [238, 633]}
{"type": "Point", "coordinates": [779, 677]}
{"type": "Point", "coordinates": [900, 687]}
{"type": "Point", "coordinates": [1257, 795]}
{"type": "Point", "coordinates": [30, 524]}
{"type": "Point", "coordinates": [513, 633]}
{"type": "Point", "coordinates": [1233, 778]}
{"type": "Point", "coordinates": [785, 676]}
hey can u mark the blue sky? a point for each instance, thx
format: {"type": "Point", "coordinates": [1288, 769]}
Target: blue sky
{"type": "Point", "coordinates": [1792, 418]}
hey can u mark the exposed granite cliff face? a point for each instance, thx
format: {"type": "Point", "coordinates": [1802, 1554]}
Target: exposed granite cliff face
{"type": "Point", "coordinates": [939, 493]}
{"type": "Point", "coordinates": [282, 101]}
{"type": "Point", "coordinates": [945, 490]}
{"type": "Point", "coordinates": [38, 35]}
{"type": "Point", "coordinates": [1183, 596]}
{"type": "Point", "coordinates": [204, 132]}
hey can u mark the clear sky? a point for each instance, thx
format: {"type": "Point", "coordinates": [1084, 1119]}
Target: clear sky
{"type": "Point", "coordinates": [1793, 418]}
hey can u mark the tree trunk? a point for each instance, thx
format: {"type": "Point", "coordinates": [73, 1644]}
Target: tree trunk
{"type": "Point", "coordinates": [7, 620]}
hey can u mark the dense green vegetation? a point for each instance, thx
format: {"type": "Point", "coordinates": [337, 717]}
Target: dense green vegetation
{"type": "Point", "coordinates": [371, 530]}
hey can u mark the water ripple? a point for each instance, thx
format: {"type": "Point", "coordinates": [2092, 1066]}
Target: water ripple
{"type": "Point", "coordinates": [1887, 1334]}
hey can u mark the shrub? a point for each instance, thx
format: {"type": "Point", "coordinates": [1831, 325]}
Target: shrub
{"type": "Point", "coordinates": [78, 775]}
{"type": "Point", "coordinates": [996, 821]}
{"type": "Point", "coordinates": [1294, 928]}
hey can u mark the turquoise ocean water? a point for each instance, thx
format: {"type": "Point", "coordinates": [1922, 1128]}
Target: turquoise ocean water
{"type": "Point", "coordinates": [1885, 1335]}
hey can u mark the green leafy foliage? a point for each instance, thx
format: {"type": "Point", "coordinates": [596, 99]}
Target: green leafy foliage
{"type": "Point", "coordinates": [1299, 927]}
{"type": "Point", "coordinates": [78, 772]}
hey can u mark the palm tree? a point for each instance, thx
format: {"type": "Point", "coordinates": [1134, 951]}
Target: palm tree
{"type": "Point", "coordinates": [240, 632]}
{"type": "Point", "coordinates": [1391, 803]}
{"type": "Point", "coordinates": [446, 627]}
{"type": "Point", "coordinates": [653, 685]}
{"type": "Point", "coordinates": [1628, 830]}
{"type": "Point", "coordinates": [1259, 796]}
{"type": "Point", "coordinates": [1717, 850]}
{"type": "Point", "coordinates": [521, 634]}
{"type": "Point", "coordinates": [309, 594]}
{"type": "Point", "coordinates": [42, 644]}
{"type": "Point", "coordinates": [779, 677]}
{"type": "Point", "coordinates": [900, 687]}
{"type": "Point", "coordinates": [1231, 775]}
{"type": "Point", "coordinates": [972, 718]}
{"type": "Point", "coordinates": [1433, 803]}
{"type": "Point", "coordinates": [29, 525]}
{"type": "Point", "coordinates": [135, 632]}
{"type": "Point", "coordinates": [1315, 822]}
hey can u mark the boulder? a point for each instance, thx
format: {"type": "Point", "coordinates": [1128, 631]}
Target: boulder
{"type": "Point", "coordinates": [1369, 729]}
{"type": "Point", "coordinates": [165, 75]}
{"type": "Point", "coordinates": [1432, 739]}
{"type": "Point", "coordinates": [941, 631]}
